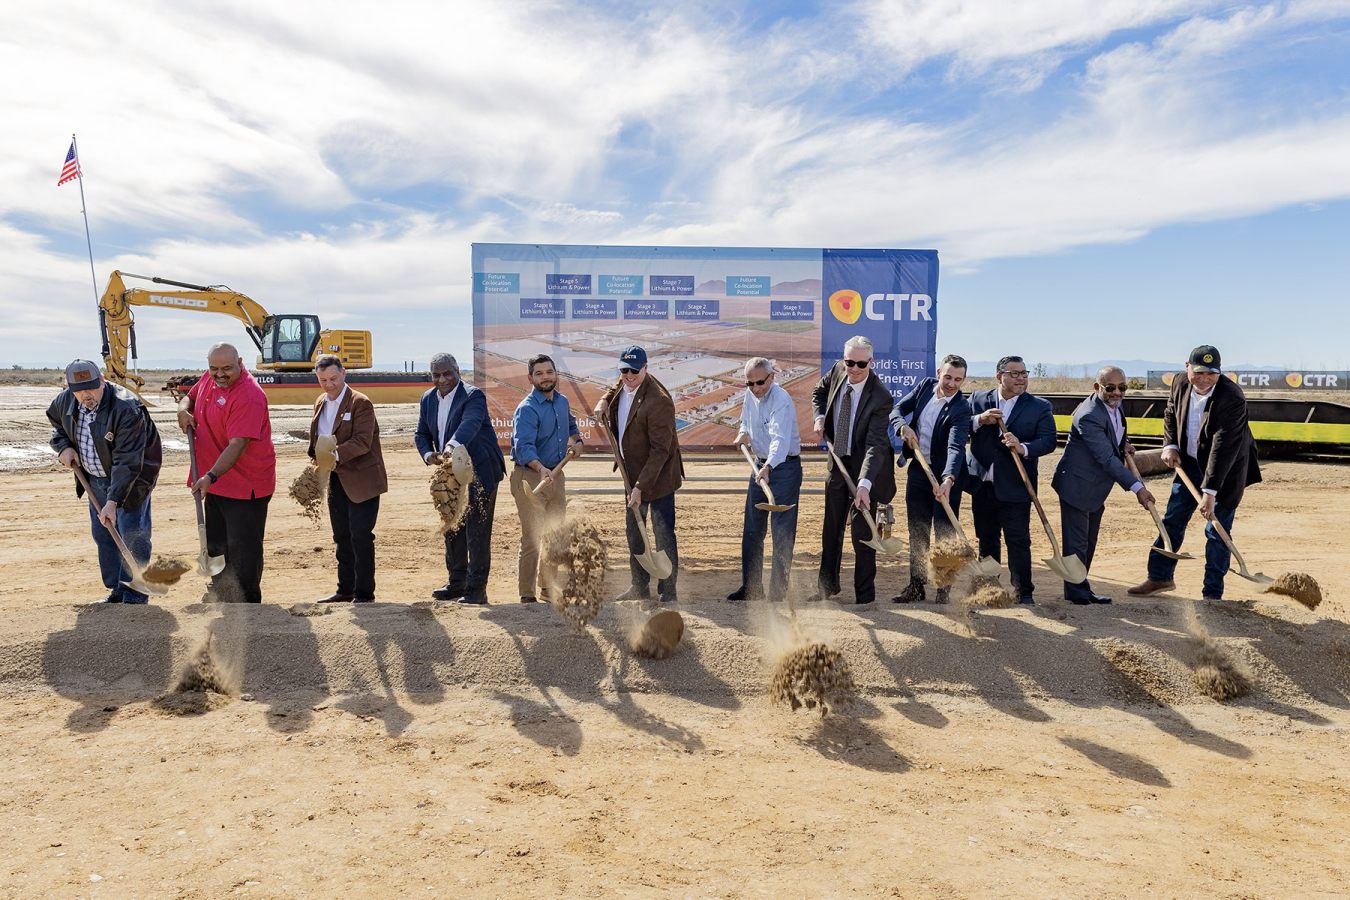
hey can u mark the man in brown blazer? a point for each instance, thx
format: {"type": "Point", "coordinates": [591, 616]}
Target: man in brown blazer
{"type": "Point", "coordinates": [357, 479]}
{"type": "Point", "coordinates": [641, 414]}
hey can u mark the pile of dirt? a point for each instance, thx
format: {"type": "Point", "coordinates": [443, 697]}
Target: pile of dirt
{"type": "Point", "coordinates": [1299, 585]}
{"type": "Point", "coordinates": [1143, 669]}
{"type": "Point", "coordinates": [308, 610]}
{"type": "Point", "coordinates": [947, 558]}
{"type": "Point", "coordinates": [576, 546]}
{"type": "Point", "coordinates": [989, 593]}
{"type": "Point", "coordinates": [308, 490]}
{"type": "Point", "coordinates": [205, 684]}
{"type": "Point", "coordinates": [658, 637]}
{"type": "Point", "coordinates": [812, 675]}
{"type": "Point", "coordinates": [165, 570]}
{"type": "Point", "coordinates": [450, 498]}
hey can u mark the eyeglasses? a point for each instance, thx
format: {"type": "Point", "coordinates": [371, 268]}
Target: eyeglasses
{"type": "Point", "coordinates": [757, 383]}
{"type": "Point", "coordinates": [1022, 374]}
{"type": "Point", "coordinates": [861, 365]}
{"type": "Point", "coordinates": [1118, 388]}
{"type": "Point", "coordinates": [627, 370]}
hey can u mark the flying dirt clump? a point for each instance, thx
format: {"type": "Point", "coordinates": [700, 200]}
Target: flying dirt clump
{"type": "Point", "coordinates": [658, 637]}
{"type": "Point", "coordinates": [576, 546]}
{"type": "Point", "coordinates": [807, 671]}
{"type": "Point", "coordinates": [947, 558]}
{"type": "Point", "coordinates": [450, 498]}
{"type": "Point", "coordinates": [1299, 585]}
{"type": "Point", "coordinates": [987, 592]}
{"type": "Point", "coordinates": [165, 570]}
{"type": "Point", "coordinates": [1215, 671]}
{"type": "Point", "coordinates": [205, 684]}
{"type": "Point", "coordinates": [308, 490]}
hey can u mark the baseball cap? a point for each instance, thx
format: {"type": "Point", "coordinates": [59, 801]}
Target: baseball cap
{"type": "Point", "coordinates": [1205, 359]}
{"type": "Point", "coordinates": [633, 357]}
{"type": "Point", "coordinates": [82, 375]}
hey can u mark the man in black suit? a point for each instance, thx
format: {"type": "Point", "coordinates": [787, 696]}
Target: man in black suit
{"type": "Point", "coordinates": [999, 501]}
{"type": "Point", "coordinates": [850, 405]}
{"type": "Point", "coordinates": [452, 414]}
{"type": "Point", "coordinates": [933, 419]}
{"type": "Point", "coordinates": [1205, 427]}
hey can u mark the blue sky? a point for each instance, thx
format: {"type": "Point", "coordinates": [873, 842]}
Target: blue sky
{"type": "Point", "coordinates": [1102, 179]}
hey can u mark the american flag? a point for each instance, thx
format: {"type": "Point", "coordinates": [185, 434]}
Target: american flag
{"type": "Point", "coordinates": [72, 167]}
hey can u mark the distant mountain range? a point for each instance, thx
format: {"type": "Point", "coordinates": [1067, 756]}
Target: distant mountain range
{"type": "Point", "coordinates": [1133, 368]}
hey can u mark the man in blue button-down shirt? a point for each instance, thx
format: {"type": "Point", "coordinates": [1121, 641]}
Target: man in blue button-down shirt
{"type": "Point", "coordinates": [769, 428]}
{"type": "Point", "coordinates": [541, 433]}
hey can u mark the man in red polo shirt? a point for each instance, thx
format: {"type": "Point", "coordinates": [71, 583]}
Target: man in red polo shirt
{"type": "Point", "coordinates": [237, 469]}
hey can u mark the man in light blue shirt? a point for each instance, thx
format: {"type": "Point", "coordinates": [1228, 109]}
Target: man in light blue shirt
{"type": "Point", "coordinates": [542, 432]}
{"type": "Point", "coordinates": [769, 428]}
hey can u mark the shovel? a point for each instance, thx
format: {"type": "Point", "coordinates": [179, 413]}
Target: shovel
{"type": "Point", "coordinates": [656, 562]}
{"type": "Point", "coordinates": [771, 506]}
{"type": "Point", "coordinates": [136, 583]}
{"type": "Point", "coordinates": [1166, 549]}
{"type": "Point", "coordinates": [878, 543]}
{"type": "Point", "coordinates": [533, 494]}
{"type": "Point", "coordinates": [461, 464]}
{"type": "Point", "coordinates": [207, 566]}
{"type": "Point", "coordinates": [1069, 568]}
{"type": "Point", "coordinates": [987, 567]}
{"type": "Point", "coordinates": [1223, 533]}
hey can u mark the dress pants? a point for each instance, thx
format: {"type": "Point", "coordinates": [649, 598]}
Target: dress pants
{"type": "Point", "coordinates": [840, 511]}
{"type": "Point", "coordinates": [534, 521]}
{"type": "Point", "coordinates": [1180, 507]}
{"type": "Point", "coordinates": [1078, 529]}
{"type": "Point", "coordinates": [663, 538]}
{"type": "Point", "coordinates": [786, 483]}
{"type": "Point", "coordinates": [468, 549]}
{"type": "Point", "coordinates": [354, 536]}
{"type": "Point", "coordinates": [235, 528]}
{"type": "Point", "coordinates": [927, 519]}
{"type": "Point", "coordinates": [134, 527]}
{"type": "Point", "coordinates": [1013, 521]}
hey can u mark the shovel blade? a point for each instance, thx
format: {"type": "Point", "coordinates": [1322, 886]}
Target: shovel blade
{"type": "Point", "coordinates": [210, 566]}
{"type": "Point", "coordinates": [987, 567]}
{"type": "Point", "coordinates": [1257, 577]}
{"type": "Point", "coordinates": [656, 562]}
{"type": "Point", "coordinates": [1069, 568]}
{"type": "Point", "coordinates": [1171, 554]}
{"type": "Point", "coordinates": [769, 507]}
{"type": "Point", "coordinates": [144, 587]}
{"type": "Point", "coordinates": [534, 500]}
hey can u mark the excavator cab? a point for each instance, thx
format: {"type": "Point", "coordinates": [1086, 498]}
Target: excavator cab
{"type": "Point", "coordinates": [288, 342]}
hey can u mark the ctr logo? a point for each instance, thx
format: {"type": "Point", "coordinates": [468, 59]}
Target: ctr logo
{"type": "Point", "coordinates": [848, 306]}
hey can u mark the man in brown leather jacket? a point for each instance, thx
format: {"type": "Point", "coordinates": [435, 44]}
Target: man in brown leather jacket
{"type": "Point", "coordinates": [641, 414]}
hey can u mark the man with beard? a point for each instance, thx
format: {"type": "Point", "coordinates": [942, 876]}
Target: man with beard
{"type": "Point", "coordinates": [1093, 459]}
{"type": "Point", "coordinates": [236, 468]}
{"type": "Point", "coordinates": [106, 431]}
{"type": "Point", "coordinates": [542, 432]}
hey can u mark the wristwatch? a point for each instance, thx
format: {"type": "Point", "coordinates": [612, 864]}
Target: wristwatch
{"type": "Point", "coordinates": [212, 475]}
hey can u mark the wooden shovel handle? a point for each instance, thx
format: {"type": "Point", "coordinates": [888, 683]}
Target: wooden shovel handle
{"type": "Point", "coordinates": [754, 473]}
{"type": "Point", "coordinates": [1152, 507]}
{"type": "Point", "coordinates": [117, 538]}
{"type": "Point", "coordinates": [1219, 529]}
{"type": "Point", "coordinates": [553, 473]}
{"type": "Point", "coordinates": [1036, 501]}
{"type": "Point", "coordinates": [618, 458]}
{"type": "Point", "coordinates": [927, 470]}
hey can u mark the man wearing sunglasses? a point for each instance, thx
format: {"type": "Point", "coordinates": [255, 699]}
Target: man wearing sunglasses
{"type": "Point", "coordinates": [1208, 438]}
{"type": "Point", "coordinates": [1005, 420]}
{"type": "Point", "coordinates": [641, 414]}
{"type": "Point", "coordinates": [1093, 459]}
{"type": "Point", "coordinates": [769, 429]}
{"type": "Point", "coordinates": [850, 405]}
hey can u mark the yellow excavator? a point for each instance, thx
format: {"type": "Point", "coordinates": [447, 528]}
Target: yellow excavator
{"type": "Point", "coordinates": [286, 343]}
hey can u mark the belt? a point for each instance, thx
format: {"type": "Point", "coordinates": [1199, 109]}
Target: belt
{"type": "Point", "coordinates": [794, 456]}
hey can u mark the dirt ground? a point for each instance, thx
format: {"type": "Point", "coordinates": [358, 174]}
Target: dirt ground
{"type": "Point", "coordinates": [432, 750]}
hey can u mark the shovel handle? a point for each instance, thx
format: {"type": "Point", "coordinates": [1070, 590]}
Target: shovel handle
{"type": "Point", "coordinates": [117, 538]}
{"type": "Point", "coordinates": [1219, 529]}
{"type": "Point", "coordinates": [928, 470]}
{"type": "Point", "coordinates": [754, 473]}
{"type": "Point", "coordinates": [192, 464]}
{"type": "Point", "coordinates": [555, 470]}
{"type": "Point", "coordinates": [1152, 507]}
{"type": "Point", "coordinates": [1036, 501]}
{"type": "Point", "coordinates": [852, 489]}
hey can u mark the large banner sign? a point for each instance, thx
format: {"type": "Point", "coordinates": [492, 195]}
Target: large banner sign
{"type": "Point", "coordinates": [1267, 380]}
{"type": "Point", "coordinates": [700, 313]}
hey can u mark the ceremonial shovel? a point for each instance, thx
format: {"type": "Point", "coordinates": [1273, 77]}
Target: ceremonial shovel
{"type": "Point", "coordinates": [1069, 568]}
{"type": "Point", "coordinates": [461, 465]}
{"type": "Point", "coordinates": [988, 567]}
{"type": "Point", "coordinates": [656, 562]}
{"type": "Point", "coordinates": [1166, 549]}
{"type": "Point", "coordinates": [1223, 533]}
{"type": "Point", "coordinates": [884, 545]}
{"type": "Point", "coordinates": [771, 506]}
{"type": "Point", "coordinates": [207, 566]}
{"type": "Point", "coordinates": [533, 495]}
{"type": "Point", "coordinates": [136, 583]}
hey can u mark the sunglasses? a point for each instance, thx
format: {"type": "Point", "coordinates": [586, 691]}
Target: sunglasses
{"type": "Point", "coordinates": [1017, 374]}
{"type": "Point", "coordinates": [757, 383]}
{"type": "Point", "coordinates": [626, 370]}
{"type": "Point", "coordinates": [861, 365]}
{"type": "Point", "coordinates": [1118, 388]}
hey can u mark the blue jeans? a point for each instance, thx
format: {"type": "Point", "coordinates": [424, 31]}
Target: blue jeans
{"type": "Point", "coordinates": [786, 483]}
{"type": "Point", "coordinates": [1180, 506]}
{"type": "Point", "coordinates": [134, 527]}
{"type": "Point", "coordinates": [663, 538]}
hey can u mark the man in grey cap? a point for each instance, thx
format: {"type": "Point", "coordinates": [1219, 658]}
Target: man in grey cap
{"type": "Point", "coordinates": [106, 430]}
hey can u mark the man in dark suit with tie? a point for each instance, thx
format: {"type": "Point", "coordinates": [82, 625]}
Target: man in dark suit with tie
{"type": "Point", "coordinates": [999, 501]}
{"type": "Point", "coordinates": [850, 405]}
{"type": "Point", "coordinates": [454, 414]}
{"type": "Point", "coordinates": [933, 419]}
{"type": "Point", "coordinates": [1093, 459]}
{"type": "Point", "coordinates": [1208, 438]}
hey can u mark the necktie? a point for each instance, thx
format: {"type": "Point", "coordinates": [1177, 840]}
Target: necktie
{"type": "Point", "coordinates": [843, 432]}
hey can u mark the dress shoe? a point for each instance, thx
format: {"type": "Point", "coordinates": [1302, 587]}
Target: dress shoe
{"type": "Point", "coordinates": [1202, 597]}
{"type": "Point", "coordinates": [529, 599]}
{"type": "Point", "coordinates": [741, 595]}
{"type": "Point", "coordinates": [113, 597]}
{"type": "Point", "coordinates": [338, 598]}
{"type": "Point", "coordinates": [668, 598]}
{"type": "Point", "coordinates": [1148, 587]}
{"type": "Point", "coordinates": [361, 600]}
{"type": "Point", "coordinates": [633, 594]}
{"type": "Point", "coordinates": [447, 593]}
{"type": "Point", "coordinates": [913, 593]}
{"type": "Point", "coordinates": [943, 595]}
{"type": "Point", "coordinates": [860, 600]}
{"type": "Point", "coordinates": [1027, 601]}
{"type": "Point", "coordinates": [1098, 598]}
{"type": "Point", "coordinates": [820, 595]}
{"type": "Point", "coordinates": [474, 598]}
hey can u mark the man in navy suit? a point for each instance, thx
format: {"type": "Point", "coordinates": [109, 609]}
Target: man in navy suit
{"type": "Point", "coordinates": [1093, 459]}
{"type": "Point", "coordinates": [933, 419]}
{"type": "Point", "coordinates": [453, 414]}
{"type": "Point", "coordinates": [999, 501]}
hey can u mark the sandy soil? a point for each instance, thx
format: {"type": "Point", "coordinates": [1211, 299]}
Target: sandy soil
{"type": "Point", "coordinates": [439, 751]}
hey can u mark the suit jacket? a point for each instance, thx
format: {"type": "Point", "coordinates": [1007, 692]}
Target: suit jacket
{"type": "Point", "coordinates": [470, 425]}
{"type": "Point", "coordinates": [125, 439]}
{"type": "Point", "coordinates": [650, 450]}
{"type": "Point", "coordinates": [868, 429]}
{"type": "Point", "coordinates": [360, 465]}
{"type": "Point", "coordinates": [950, 432]}
{"type": "Point", "coordinates": [1225, 450]}
{"type": "Point", "coordinates": [1092, 459]}
{"type": "Point", "coordinates": [1032, 421]}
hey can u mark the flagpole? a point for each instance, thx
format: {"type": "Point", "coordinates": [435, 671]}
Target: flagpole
{"type": "Point", "coordinates": [79, 174]}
